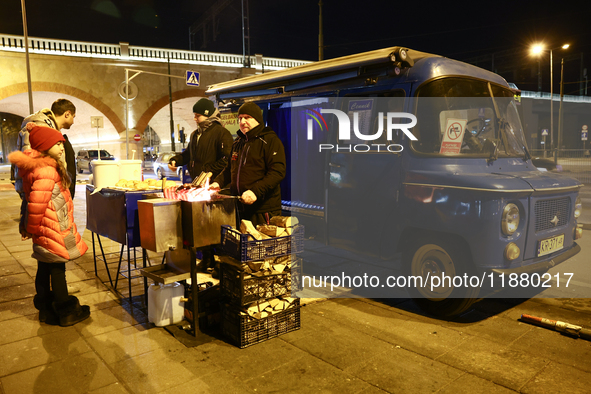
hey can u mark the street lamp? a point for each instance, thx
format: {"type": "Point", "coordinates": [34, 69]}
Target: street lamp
{"type": "Point", "coordinates": [537, 50]}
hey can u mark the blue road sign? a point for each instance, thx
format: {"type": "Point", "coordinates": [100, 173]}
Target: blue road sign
{"type": "Point", "coordinates": [583, 135]}
{"type": "Point", "coordinates": [192, 78]}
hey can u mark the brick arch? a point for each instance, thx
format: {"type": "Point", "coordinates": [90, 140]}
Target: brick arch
{"type": "Point", "coordinates": [55, 87]}
{"type": "Point", "coordinates": [163, 102]}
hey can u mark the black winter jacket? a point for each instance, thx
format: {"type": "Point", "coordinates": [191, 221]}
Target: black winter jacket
{"type": "Point", "coordinates": [210, 154]}
{"type": "Point", "coordinates": [71, 164]}
{"type": "Point", "coordinates": [257, 163]}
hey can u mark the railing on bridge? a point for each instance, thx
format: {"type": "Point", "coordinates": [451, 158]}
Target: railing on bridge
{"type": "Point", "coordinates": [555, 97]}
{"type": "Point", "coordinates": [574, 162]}
{"type": "Point", "coordinates": [48, 46]}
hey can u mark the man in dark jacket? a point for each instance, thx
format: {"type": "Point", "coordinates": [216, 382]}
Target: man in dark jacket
{"type": "Point", "coordinates": [256, 167]}
{"type": "Point", "coordinates": [208, 151]}
{"type": "Point", "coordinates": [209, 146]}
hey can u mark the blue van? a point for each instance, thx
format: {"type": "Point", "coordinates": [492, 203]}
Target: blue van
{"type": "Point", "coordinates": [455, 193]}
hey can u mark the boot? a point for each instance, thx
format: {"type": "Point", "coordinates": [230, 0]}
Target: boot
{"type": "Point", "coordinates": [70, 311]}
{"type": "Point", "coordinates": [46, 312]}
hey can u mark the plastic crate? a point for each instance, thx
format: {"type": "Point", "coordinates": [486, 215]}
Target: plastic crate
{"type": "Point", "coordinates": [238, 245]}
{"type": "Point", "coordinates": [246, 330]}
{"type": "Point", "coordinates": [238, 290]}
{"type": "Point", "coordinates": [209, 304]}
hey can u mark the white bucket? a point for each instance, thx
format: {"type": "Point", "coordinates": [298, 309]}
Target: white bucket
{"type": "Point", "coordinates": [105, 173]}
{"type": "Point", "coordinates": [164, 304]}
{"type": "Point", "coordinates": [130, 170]}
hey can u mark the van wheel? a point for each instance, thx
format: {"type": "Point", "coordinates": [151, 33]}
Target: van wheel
{"type": "Point", "coordinates": [159, 173]}
{"type": "Point", "coordinates": [80, 170]}
{"type": "Point", "coordinates": [434, 257]}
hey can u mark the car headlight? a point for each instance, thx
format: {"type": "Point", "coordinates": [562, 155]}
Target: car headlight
{"type": "Point", "coordinates": [578, 207]}
{"type": "Point", "coordinates": [510, 219]}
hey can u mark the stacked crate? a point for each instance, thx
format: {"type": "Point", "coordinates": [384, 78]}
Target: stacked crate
{"type": "Point", "coordinates": [256, 283]}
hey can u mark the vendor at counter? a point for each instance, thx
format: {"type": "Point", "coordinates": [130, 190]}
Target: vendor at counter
{"type": "Point", "coordinates": [208, 151]}
{"type": "Point", "coordinates": [209, 146]}
{"type": "Point", "coordinates": [256, 167]}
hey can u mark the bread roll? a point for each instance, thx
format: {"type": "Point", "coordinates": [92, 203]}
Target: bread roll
{"type": "Point", "coordinates": [141, 186]}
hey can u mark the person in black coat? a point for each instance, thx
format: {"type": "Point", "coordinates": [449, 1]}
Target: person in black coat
{"type": "Point", "coordinates": [256, 167]}
{"type": "Point", "coordinates": [208, 151]}
{"type": "Point", "coordinates": [209, 146]}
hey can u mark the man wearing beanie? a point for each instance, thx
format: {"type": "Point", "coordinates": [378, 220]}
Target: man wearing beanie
{"type": "Point", "coordinates": [256, 167]}
{"type": "Point", "coordinates": [208, 151]}
{"type": "Point", "coordinates": [209, 145]}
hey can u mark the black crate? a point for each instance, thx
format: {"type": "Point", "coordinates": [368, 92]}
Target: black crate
{"type": "Point", "coordinates": [238, 290]}
{"type": "Point", "coordinates": [209, 305]}
{"type": "Point", "coordinates": [238, 246]}
{"type": "Point", "coordinates": [244, 331]}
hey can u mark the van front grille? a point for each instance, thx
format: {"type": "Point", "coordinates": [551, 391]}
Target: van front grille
{"type": "Point", "coordinates": [552, 213]}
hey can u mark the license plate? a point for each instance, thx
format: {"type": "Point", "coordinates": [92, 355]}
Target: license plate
{"type": "Point", "coordinates": [550, 245]}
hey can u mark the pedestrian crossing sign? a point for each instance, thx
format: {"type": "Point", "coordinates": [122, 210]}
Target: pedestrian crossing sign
{"type": "Point", "coordinates": [192, 78]}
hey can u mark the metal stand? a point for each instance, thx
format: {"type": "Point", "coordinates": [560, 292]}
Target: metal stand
{"type": "Point", "coordinates": [129, 277]}
{"type": "Point", "coordinates": [199, 337]}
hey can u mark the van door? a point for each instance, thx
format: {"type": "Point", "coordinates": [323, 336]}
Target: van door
{"type": "Point", "coordinates": [364, 180]}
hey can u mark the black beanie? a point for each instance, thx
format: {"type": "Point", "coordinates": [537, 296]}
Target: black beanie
{"type": "Point", "coordinates": [204, 107]}
{"type": "Point", "coordinates": [253, 110]}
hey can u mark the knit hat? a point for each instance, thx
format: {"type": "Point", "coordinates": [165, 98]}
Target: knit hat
{"type": "Point", "coordinates": [253, 110]}
{"type": "Point", "coordinates": [204, 107]}
{"type": "Point", "coordinates": [42, 138]}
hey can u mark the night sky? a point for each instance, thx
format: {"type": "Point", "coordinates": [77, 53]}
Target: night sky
{"type": "Point", "coordinates": [289, 29]}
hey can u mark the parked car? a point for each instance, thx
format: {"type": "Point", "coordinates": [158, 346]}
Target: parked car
{"type": "Point", "coordinates": [149, 156]}
{"type": "Point", "coordinates": [85, 156]}
{"type": "Point", "coordinates": [161, 166]}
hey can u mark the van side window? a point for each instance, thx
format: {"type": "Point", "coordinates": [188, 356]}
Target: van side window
{"type": "Point", "coordinates": [369, 113]}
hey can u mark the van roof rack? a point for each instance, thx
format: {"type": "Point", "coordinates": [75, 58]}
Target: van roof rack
{"type": "Point", "coordinates": [322, 72]}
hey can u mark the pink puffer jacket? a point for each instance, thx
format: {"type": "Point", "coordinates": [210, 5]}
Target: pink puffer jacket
{"type": "Point", "coordinates": [50, 210]}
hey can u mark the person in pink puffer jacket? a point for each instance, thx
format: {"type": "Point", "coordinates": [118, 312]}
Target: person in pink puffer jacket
{"type": "Point", "coordinates": [49, 221]}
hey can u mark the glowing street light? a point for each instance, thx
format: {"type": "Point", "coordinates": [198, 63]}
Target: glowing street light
{"type": "Point", "coordinates": [537, 50]}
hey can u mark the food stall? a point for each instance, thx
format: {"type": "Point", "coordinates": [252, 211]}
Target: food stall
{"type": "Point", "coordinates": [113, 213]}
{"type": "Point", "coordinates": [252, 299]}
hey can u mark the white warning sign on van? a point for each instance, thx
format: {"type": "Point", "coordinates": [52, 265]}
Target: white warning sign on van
{"type": "Point", "coordinates": [453, 136]}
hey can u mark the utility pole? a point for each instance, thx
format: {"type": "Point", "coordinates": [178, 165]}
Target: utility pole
{"type": "Point", "coordinates": [245, 35]}
{"type": "Point", "coordinates": [172, 143]}
{"type": "Point", "coordinates": [29, 86]}
{"type": "Point", "coordinates": [320, 34]}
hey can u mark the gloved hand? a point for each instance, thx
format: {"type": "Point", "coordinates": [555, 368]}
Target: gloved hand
{"type": "Point", "coordinates": [248, 197]}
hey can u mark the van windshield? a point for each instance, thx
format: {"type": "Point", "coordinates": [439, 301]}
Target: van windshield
{"type": "Point", "coordinates": [468, 118]}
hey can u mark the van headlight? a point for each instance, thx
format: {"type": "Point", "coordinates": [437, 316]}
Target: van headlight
{"type": "Point", "coordinates": [510, 219]}
{"type": "Point", "coordinates": [578, 207]}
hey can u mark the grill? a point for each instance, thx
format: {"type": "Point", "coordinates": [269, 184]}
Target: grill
{"type": "Point", "coordinates": [547, 210]}
{"type": "Point", "coordinates": [167, 224]}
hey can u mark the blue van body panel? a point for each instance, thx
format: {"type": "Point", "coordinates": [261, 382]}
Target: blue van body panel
{"type": "Point", "coordinates": [462, 197]}
{"type": "Point", "coordinates": [436, 66]}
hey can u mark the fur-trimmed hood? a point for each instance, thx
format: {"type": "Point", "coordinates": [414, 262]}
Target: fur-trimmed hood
{"type": "Point", "coordinates": [30, 160]}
